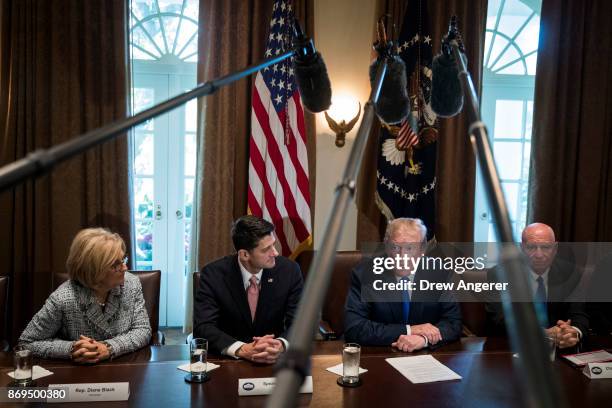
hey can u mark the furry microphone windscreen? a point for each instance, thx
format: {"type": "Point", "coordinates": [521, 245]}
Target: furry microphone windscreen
{"type": "Point", "coordinates": [446, 92]}
{"type": "Point", "coordinates": [393, 103]}
{"type": "Point", "coordinates": [313, 81]}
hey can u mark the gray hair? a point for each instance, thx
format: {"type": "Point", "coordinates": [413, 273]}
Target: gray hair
{"type": "Point", "coordinates": [414, 224]}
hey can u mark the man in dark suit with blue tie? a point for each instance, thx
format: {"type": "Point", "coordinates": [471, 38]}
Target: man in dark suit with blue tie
{"type": "Point", "coordinates": [246, 302]}
{"type": "Point", "coordinates": [408, 319]}
{"type": "Point", "coordinates": [552, 281]}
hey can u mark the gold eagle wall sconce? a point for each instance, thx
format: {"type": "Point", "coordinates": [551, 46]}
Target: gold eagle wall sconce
{"type": "Point", "coordinates": [342, 128]}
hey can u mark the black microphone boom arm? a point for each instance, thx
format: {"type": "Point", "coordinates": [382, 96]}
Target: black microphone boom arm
{"type": "Point", "coordinates": [41, 161]}
{"type": "Point", "coordinates": [292, 367]}
{"type": "Point", "coordinates": [538, 379]}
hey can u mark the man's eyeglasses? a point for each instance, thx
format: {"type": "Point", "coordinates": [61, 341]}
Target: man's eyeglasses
{"type": "Point", "coordinates": [119, 263]}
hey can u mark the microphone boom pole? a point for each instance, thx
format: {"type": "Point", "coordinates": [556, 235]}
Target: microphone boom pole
{"type": "Point", "coordinates": [41, 161]}
{"type": "Point", "coordinates": [541, 383]}
{"type": "Point", "coordinates": [294, 363]}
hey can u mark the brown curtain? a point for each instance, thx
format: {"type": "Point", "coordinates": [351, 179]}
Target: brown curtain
{"type": "Point", "coordinates": [63, 72]}
{"type": "Point", "coordinates": [571, 166]}
{"type": "Point", "coordinates": [455, 161]}
{"type": "Point", "coordinates": [233, 35]}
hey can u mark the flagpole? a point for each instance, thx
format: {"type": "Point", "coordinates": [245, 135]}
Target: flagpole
{"type": "Point", "coordinates": [293, 366]}
{"type": "Point", "coordinates": [42, 161]}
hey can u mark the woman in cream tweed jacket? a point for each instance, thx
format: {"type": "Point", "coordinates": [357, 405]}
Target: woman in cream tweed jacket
{"type": "Point", "coordinates": [99, 312]}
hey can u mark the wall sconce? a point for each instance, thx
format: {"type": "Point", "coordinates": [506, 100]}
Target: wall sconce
{"type": "Point", "coordinates": [341, 108]}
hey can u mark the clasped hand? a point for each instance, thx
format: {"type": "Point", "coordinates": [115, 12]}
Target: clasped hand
{"type": "Point", "coordinates": [88, 351]}
{"type": "Point", "coordinates": [265, 349]}
{"type": "Point", "coordinates": [564, 334]}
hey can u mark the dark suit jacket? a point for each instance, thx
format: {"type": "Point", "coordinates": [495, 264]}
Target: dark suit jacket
{"type": "Point", "coordinates": [599, 306]}
{"type": "Point", "coordinates": [372, 319]}
{"type": "Point", "coordinates": [562, 280]}
{"type": "Point", "coordinates": [221, 310]}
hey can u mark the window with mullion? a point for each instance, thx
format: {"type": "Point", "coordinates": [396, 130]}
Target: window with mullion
{"type": "Point", "coordinates": [511, 45]}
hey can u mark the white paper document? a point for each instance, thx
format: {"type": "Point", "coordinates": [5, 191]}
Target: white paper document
{"type": "Point", "coordinates": [422, 369]}
{"type": "Point", "coordinates": [590, 357]}
{"type": "Point", "coordinates": [337, 369]}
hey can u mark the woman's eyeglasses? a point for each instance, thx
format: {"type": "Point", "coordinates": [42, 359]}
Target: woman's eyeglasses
{"type": "Point", "coordinates": [119, 263]}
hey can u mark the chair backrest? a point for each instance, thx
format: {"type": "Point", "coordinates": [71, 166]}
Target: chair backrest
{"type": "Point", "coordinates": [473, 312]}
{"type": "Point", "coordinates": [333, 306]}
{"type": "Point", "coordinates": [150, 282]}
{"type": "Point", "coordinates": [196, 283]}
{"type": "Point", "coordinates": [4, 286]}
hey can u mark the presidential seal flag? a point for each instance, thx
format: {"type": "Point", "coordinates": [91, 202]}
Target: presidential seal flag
{"type": "Point", "coordinates": [406, 173]}
{"type": "Point", "coordinates": [279, 188]}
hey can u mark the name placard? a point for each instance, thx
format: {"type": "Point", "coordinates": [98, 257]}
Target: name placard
{"type": "Point", "coordinates": [264, 386]}
{"type": "Point", "coordinates": [598, 370]}
{"type": "Point", "coordinates": [94, 392]}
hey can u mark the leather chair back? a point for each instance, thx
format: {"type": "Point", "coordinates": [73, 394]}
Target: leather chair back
{"type": "Point", "coordinates": [196, 283]}
{"type": "Point", "coordinates": [150, 281]}
{"type": "Point", "coordinates": [473, 312]}
{"type": "Point", "coordinates": [4, 287]}
{"type": "Point", "coordinates": [335, 299]}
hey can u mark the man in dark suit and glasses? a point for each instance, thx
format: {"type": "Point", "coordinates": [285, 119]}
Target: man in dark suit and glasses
{"type": "Point", "coordinates": [247, 301]}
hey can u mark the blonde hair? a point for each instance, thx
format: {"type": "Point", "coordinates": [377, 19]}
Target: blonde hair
{"type": "Point", "coordinates": [92, 253]}
{"type": "Point", "coordinates": [413, 224]}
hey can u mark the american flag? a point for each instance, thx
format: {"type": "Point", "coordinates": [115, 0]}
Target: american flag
{"type": "Point", "coordinates": [278, 162]}
{"type": "Point", "coordinates": [406, 137]}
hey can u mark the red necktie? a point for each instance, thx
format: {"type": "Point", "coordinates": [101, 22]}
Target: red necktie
{"type": "Point", "coordinates": [253, 295]}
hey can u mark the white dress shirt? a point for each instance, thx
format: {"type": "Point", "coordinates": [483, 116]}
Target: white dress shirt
{"type": "Point", "coordinates": [246, 280]}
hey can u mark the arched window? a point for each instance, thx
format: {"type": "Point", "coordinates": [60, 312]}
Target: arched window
{"type": "Point", "coordinates": [164, 54]}
{"type": "Point", "coordinates": [510, 56]}
{"type": "Point", "coordinates": [164, 30]}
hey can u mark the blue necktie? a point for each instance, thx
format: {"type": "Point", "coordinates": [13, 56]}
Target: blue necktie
{"type": "Point", "coordinates": [405, 300]}
{"type": "Point", "coordinates": [540, 302]}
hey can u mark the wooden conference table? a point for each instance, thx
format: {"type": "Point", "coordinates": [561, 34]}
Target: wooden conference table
{"type": "Point", "coordinates": [490, 378]}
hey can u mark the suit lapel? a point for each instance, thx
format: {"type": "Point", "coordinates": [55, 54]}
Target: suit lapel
{"type": "Point", "coordinates": [236, 287]}
{"type": "Point", "coordinates": [93, 312]}
{"type": "Point", "coordinates": [395, 307]}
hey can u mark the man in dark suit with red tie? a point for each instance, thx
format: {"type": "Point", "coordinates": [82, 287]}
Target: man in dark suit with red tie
{"type": "Point", "coordinates": [246, 302]}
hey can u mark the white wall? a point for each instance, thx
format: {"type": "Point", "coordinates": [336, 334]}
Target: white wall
{"type": "Point", "coordinates": [343, 35]}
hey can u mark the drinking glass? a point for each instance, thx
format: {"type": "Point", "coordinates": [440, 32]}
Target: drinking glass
{"type": "Point", "coordinates": [23, 366]}
{"type": "Point", "coordinates": [198, 350]}
{"type": "Point", "coordinates": [351, 354]}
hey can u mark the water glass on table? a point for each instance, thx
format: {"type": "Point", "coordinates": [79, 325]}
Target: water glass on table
{"type": "Point", "coordinates": [23, 360]}
{"type": "Point", "coordinates": [351, 356]}
{"type": "Point", "coordinates": [198, 351]}
{"type": "Point", "coordinates": [552, 342]}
